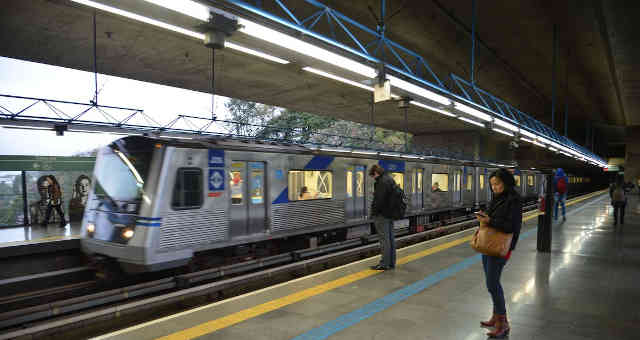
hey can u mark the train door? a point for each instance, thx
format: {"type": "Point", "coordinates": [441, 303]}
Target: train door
{"type": "Point", "coordinates": [247, 208]}
{"type": "Point", "coordinates": [355, 203]}
{"type": "Point", "coordinates": [457, 186]}
{"type": "Point", "coordinates": [417, 191]}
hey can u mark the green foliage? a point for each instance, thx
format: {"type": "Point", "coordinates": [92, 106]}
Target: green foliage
{"type": "Point", "coordinates": [302, 127]}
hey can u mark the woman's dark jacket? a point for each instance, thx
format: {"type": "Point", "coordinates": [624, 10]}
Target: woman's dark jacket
{"type": "Point", "coordinates": [382, 188]}
{"type": "Point", "coordinates": [505, 213]}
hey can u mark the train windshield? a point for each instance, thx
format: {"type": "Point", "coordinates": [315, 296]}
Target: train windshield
{"type": "Point", "coordinates": [120, 175]}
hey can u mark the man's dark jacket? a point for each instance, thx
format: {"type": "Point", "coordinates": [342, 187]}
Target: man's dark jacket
{"type": "Point", "coordinates": [382, 189]}
{"type": "Point", "coordinates": [505, 213]}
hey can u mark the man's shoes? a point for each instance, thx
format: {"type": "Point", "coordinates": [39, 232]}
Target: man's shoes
{"type": "Point", "coordinates": [380, 267]}
{"type": "Point", "coordinates": [564, 219]}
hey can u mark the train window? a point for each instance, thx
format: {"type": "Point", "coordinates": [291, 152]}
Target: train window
{"type": "Point", "coordinates": [398, 177]}
{"type": "Point", "coordinates": [530, 181]}
{"type": "Point", "coordinates": [187, 192]}
{"type": "Point", "coordinates": [236, 183]}
{"type": "Point", "coordinates": [310, 184]}
{"type": "Point", "coordinates": [481, 182]}
{"type": "Point", "coordinates": [439, 182]}
{"type": "Point", "coordinates": [517, 178]}
{"type": "Point", "coordinates": [257, 180]}
{"type": "Point", "coordinates": [349, 183]}
{"type": "Point", "coordinates": [469, 182]}
{"type": "Point", "coordinates": [360, 183]}
{"type": "Point", "coordinates": [418, 186]}
{"type": "Point", "coordinates": [457, 180]}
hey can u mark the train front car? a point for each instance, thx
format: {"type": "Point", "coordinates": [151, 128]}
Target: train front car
{"type": "Point", "coordinates": [119, 218]}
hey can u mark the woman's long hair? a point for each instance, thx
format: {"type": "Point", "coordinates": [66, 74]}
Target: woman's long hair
{"type": "Point", "coordinates": [507, 178]}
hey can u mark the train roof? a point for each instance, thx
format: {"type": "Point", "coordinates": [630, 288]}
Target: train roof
{"type": "Point", "coordinates": [257, 145]}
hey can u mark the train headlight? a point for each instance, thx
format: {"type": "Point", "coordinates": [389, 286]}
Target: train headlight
{"type": "Point", "coordinates": [127, 233]}
{"type": "Point", "coordinates": [91, 227]}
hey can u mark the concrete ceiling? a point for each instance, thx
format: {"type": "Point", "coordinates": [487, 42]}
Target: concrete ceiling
{"type": "Point", "coordinates": [595, 73]}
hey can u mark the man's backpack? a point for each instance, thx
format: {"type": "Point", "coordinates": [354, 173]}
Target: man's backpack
{"type": "Point", "coordinates": [561, 185]}
{"type": "Point", "coordinates": [618, 194]}
{"type": "Point", "coordinates": [397, 203]}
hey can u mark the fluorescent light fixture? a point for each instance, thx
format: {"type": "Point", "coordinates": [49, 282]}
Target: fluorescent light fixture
{"type": "Point", "coordinates": [527, 133]}
{"type": "Point", "coordinates": [27, 127]}
{"type": "Point", "coordinates": [365, 152]}
{"type": "Point", "coordinates": [432, 108]}
{"type": "Point", "coordinates": [190, 8]}
{"type": "Point", "coordinates": [471, 121]}
{"type": "Point", "coordinates": [417, 90]}
{"type": "Point", "coordinates": [539, 144]}
{"type": "Point", "coordinates": [526, 140]}
{"type": "Point", "coordinates": [340, 79]}
{"type": "Point", "coordinates": [302, 47]}
{"type": "Point", "coordinates": [411, 156]}
{"type": "Point", "coordinates": [254, 52]}
{"type": "Point", "coordinates": [505, 125]}
{"type": "Point", "coordinates": [502, 132]}
{"type": "Point", "coordinates": [544, 140]}
{"type": "Point", "coordinates": [140, 18]}
{"type": "Point", "coordinates": [176, 137]}
{"type": "Point", "coordinates": [476, 113]}
{"type": "Point", "coordinates": [390, 154]}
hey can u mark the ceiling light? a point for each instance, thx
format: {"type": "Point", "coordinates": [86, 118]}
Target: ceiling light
{"type": "Point", "coordinates": [505, 125]}
{"type": "Point", "coordinates": [471, 121]}
{"type": "Point", "coordinates": [527, 140]}
{"type": "Point", "coordinates": [140, 18]}
{"type": "Point", "coordinates": [417, 90]}
{"type": "Point", "coordinates": [299, 46]}
{"type": "Point", "coordinates": [544, 140]}
{"type": "Point", "coordinates": [469, 110]}
{"type": "Point", "coordinates": [254, 52]}
{"type": "Point", "coordinates": [334, 77]}
{"type": "Point", "coordinates": [189, 8]}
{"type": "Point", "coordinates": [539, 144]}
{"type": "Point", "coordinates": [527, 133]}
{"type": "Point", "coordinates": [432, 108]}
{"type": "Point", "coordinates": [503, 132]}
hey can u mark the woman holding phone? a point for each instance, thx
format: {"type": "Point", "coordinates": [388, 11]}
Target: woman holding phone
{"type": "Point", "coordinates": [505, 214]}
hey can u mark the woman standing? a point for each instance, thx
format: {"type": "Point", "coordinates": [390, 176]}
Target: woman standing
{"type": "Point", "coordinates": [505, 214]}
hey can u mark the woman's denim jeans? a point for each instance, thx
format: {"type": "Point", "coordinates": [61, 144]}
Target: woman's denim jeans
{"type": "Point", "coordinates": [492, 270]}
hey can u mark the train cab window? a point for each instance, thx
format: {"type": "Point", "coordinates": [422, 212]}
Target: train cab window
{"type": "Point", "coordinates": [439, 182]}
{"type": "Point", "coordinates": [481, 182]}
{"type": "Point", "coordinates": [398, 177]}
{"type": "Point", "coordinates": [236, 185]}
{"type": "Point", "coordinates": [469, 182]}
{"type": "Point", "coordinates": [530, 181]}
{"type": "Point", "coordinates": [517, 178]}
{"type": "Point", "coordinates": [187, 192]}
{"type": "Point", "coordinates": [310, 184]}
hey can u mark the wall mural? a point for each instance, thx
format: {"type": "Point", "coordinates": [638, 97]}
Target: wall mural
{"type": "Point", "coordinates": [63, 194]}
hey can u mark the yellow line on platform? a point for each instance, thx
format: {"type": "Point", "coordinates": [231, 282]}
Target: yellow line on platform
{"type": "Point", "coordinates": [249, 313]}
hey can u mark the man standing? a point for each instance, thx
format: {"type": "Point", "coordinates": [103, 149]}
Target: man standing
{"type": "Point", "coordinates": [380, 207]}
{"type": "Point", "coordinates": [560, 183]}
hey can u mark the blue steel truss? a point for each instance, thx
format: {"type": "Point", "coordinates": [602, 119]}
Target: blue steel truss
{"type": "Point", "coordinates": [403, 62]}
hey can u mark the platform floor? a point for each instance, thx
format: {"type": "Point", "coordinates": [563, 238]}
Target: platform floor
{"type": "Point", "coordinates": [586, 288]}
{"type": "Point", "coordinates": [36, 233]}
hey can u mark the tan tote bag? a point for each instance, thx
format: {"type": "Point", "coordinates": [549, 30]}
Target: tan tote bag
{"type": "Point", "coordinates": [490, 241]}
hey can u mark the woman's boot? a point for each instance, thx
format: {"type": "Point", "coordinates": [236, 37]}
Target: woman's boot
{"type": "Point", "coordinates": [490, 323]}
{"type": "Point", "coordinates": [501, 327]}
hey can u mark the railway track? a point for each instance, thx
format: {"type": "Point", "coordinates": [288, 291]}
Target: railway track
{"type": "Point", "coordinates": [82, 303]}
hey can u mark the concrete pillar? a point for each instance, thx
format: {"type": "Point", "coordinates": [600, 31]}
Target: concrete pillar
{"type": "Point", "coordinates": [632, 157]}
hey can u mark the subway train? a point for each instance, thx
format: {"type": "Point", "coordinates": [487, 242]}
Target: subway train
{"type": "Point", "coordinates": [157, 202]}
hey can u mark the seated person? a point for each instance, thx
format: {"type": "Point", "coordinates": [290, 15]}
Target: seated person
{"type": "Point", "coordinates": [305, 194]}
{"type": "Point", "coordinates": [435, 187]}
